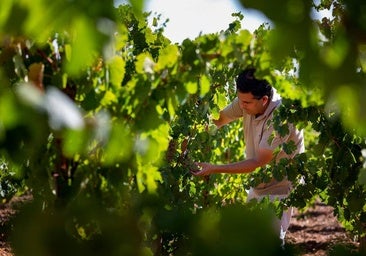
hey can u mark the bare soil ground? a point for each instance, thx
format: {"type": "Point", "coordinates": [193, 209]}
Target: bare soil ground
{"type": "Point", "coordinates": [313, 232]}
{"type": "Point", "coordinates": [317, 231]}
{"type": "Point", "coordinates": [7, 211]}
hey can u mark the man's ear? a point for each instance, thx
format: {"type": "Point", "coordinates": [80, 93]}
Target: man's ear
{"type": "Point", "coordinates": [265, 99]}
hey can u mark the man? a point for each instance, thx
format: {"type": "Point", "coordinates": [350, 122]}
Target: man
{"type": "Point", "coordinates": [255, 103]}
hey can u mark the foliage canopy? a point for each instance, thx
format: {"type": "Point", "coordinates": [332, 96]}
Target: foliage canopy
{"type": "Point", "coordinates": [101, 118]}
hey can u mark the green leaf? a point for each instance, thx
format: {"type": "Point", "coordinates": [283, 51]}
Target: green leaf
{"type": "Point", "coordinates": [215, 112]}
{"type": "Point", "coordinates": [191, 87]}
{"type": "Point", "coordinates": [84, 45]}
{"type": "Point", "coordinates": [289, 147]}
{"type": "Point", "coordinates": [220, 100]}
{"type": "Point", "coordinates": [117, 71]}
{"type": "Point", "coordinates": [119, 145]}
{"type": "Point", "coordinates": [147, 177]}
{"type": "Point", "coordinates": [68, 51]}
{"type": "Point", "coordinates": [7, 105]}
{"type": "Point", "coordinates": [350, 103]}
{"type": "Point", "coordinates": [5, 11]}
{"type": "Point", "coordinates": [137, 7]}
{"type": "Point", "coordinates": [192, 189]}
{"type": "Point", "coordinates": [75, 142]}
{"type": "Point", "coordinates": [167, 58]}
{"type": "Point", "coordinates": [91, 101]}
{"type": "Point", "coordinates": [109, 98]}
{"type": "Point", "coordinates": [148, 174]}
{"type": "Point", "coordinates": [245, 37]}
{"type": "Point", "coordinates": [335, 54]}
{"type": "Point", "coordinates": [172, 104]}
{"type": "Point", "coordinates": [152, 144]}
{"type": "Point", "coordinates": [204, 85]}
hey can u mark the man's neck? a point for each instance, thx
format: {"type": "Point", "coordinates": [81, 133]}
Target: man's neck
{"type": "Point", "coordinates": [264, 110]}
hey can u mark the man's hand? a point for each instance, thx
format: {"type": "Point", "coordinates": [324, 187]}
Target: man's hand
{"type": "Point", "coordinates": [203, 169]}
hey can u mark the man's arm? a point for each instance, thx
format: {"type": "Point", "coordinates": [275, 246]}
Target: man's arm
{"type": "Point", "coordinates": [222, 120]}
{"type": "Point", "coordinates": [264, 157]}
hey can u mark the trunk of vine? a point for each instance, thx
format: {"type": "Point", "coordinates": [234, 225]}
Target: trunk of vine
{"type": "Point", "coordinates": [362, 248]}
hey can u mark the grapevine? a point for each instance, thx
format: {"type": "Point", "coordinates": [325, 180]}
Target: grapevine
{"type": "Point", "coordinates": [118, 173]}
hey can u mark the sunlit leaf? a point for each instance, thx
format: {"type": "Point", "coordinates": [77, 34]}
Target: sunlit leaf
{"type": "Point", "coordinates": [109, 98]}
{"type": "Point", "coordinates": [84, 45]}
{"type": "Point", "coordinates": [148, 177]}
{"type": "Point", "coordinates": [265, 61]}
{"type": "Point", "coordinates": [220, 100]}
{"type": "Point", "coordinates": [5, 11]}
{"type": "Point", "coordinates": [244, 37]}
{"type": "Point", "coordinates": [172, 104]}
{"type": "Point", "coordinates": [75, 142]}
{"type": "Point", "coordinates": [204, 85]}
{"type": "Point", "coordinates": [153, 143]}
{"type": "Point", "coordinates": [215, 113]}
{"type": "Point", "coordinates": [117, 71]}
{"type": "Point", "coordinates": [137, 6]}
{"type": "Point", "coordinates": [8, 105]}
{"type": "Point", "coordinates": [191, 87]}
{"type": "Point", "coordinates": [119, 145]}
{"type": "Point", "coordinates": [168, 57]}
{"type": "Point", "coordinates": [150, 36]}
{"type": "Point", "coordinates": [121, 37]}
{"type": "Point", "coordinates": [351, 110]}
{"type": "Point", "coordinates": [68, 51]}
{"type": "Point", "coordinates": [333, 55]}
{"type": "Point", "coordinates": [161, 135]}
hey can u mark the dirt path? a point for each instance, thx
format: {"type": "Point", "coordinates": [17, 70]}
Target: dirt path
{"type": "Point", "coordinates": [316, 231]}
{"type": "Point", "coordinates": [8, 210]}
{"type": "Point", "coordinates": [313, 232]}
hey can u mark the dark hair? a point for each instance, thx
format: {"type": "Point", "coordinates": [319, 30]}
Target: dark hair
{"type": "Point", "coordinates": [247, 83]}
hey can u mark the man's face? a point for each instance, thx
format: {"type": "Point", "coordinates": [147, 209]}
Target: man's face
{"type": "Point", "coordinates": [252, 105]}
